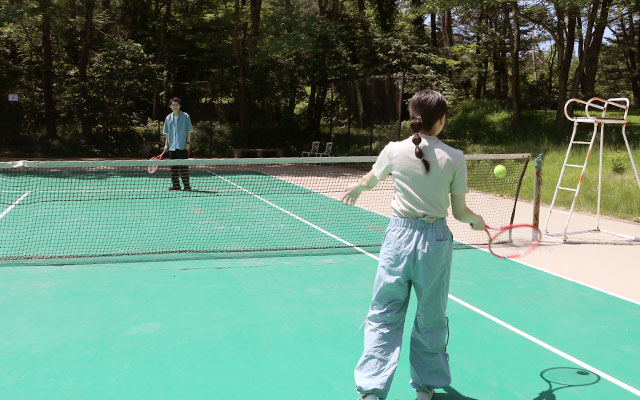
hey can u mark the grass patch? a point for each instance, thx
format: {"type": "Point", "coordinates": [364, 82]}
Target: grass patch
{"type": "Point", "coordinates": [620, 194]}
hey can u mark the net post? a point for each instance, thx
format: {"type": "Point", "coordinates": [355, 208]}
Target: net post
{"type": "Point", "coordinates": [536, 190]}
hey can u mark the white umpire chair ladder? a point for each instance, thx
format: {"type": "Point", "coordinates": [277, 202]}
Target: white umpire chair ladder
{"type": "Point", "coordinates": [602, 106]}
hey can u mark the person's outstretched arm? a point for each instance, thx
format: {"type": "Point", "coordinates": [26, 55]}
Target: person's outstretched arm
{"type": "Point", "coordinates": [462, 213]}
{"type": "Point", "coordinates": [352, 192]}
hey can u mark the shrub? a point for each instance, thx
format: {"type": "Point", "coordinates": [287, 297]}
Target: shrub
{"type": "Point", "coordinates": [479, 121]}
{"type": "Point", "coordinates": [211, 139]}
{"type": "Point", "coordinates": [617, 161]}
{"type": "Point", "coordinates": [151, 131]}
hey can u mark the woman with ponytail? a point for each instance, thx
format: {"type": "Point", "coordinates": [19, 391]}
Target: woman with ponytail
{"type": "Point", "coordinates": [416, 252]}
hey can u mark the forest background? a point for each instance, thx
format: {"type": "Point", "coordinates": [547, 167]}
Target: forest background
{"type": "Point", "coordinates": [94, 77]}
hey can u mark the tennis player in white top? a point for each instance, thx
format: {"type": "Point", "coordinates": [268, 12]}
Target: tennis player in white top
{"type": "Point", "coordinates": [416, 252]}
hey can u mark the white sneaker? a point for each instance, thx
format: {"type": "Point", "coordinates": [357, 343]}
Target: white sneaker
{"type": "Point", "coordinates": [424, 395]}
{"type": "Point", "coordinates": [369, 397]}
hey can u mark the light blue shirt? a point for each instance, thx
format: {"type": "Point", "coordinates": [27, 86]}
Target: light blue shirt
{"type": "Point", "coordinates": [176, 129]}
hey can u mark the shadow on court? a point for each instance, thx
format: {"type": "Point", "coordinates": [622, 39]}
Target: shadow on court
{"type": "Point", "coordinates": [558, 378]}
{"type": "Point", "coordinates": [452, 394]}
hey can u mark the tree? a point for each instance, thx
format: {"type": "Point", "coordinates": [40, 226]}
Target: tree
{"type": "Point", "coordinates": [589, 49]}
{"type": "Point", "coordinates": [85, 114]}
{"type": "Point", "coordinates": [559, 19]}
{"type": "Point", "coordinates": [515, 64]}
{"type": "Point", "coordinates": [46, 8]}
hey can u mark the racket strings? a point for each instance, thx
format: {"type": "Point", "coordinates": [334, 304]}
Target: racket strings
{"type": "Point", "coordinates": [515, 241]}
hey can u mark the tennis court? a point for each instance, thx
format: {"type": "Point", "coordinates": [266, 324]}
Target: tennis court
{"type": "Point", "coordinates": [250, 287]}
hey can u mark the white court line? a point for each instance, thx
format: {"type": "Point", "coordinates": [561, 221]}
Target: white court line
{"type": "Point", "coordinates": [296, 217]}
{"type": "Point", "coordinates": [575, 281]}
{"type": "Point", "coordinates": [463, 303]}
{"type": "Point", "coordinates": [548, 347]}
{"type": "Point", "coordinates": [15, 203]}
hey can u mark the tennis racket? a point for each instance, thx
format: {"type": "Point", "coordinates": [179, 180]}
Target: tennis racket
{"type": "Point", "coordinates": [565, 377]}
{"type": "Point", "coordinates": [513, 241]}
{"type": "Point", "coordinates": [153, 168]}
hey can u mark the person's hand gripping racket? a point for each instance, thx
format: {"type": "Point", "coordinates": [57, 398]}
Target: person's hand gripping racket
{"type": "Point", "coordinates": [153, 168]}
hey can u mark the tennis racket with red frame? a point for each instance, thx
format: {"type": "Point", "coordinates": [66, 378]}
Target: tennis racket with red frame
{"type": "Point", "coordinates": [513, 241]}
{"type": "Point", "coordinates": [153, 168]}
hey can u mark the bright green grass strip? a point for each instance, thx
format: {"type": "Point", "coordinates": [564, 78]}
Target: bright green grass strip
{"type": "Point", "coordinates": [620, 194]}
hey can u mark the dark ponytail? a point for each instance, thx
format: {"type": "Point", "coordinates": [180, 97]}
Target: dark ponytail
{"type": "Point", "coordinates": [425, 109]}
{"type": "Point", "coordinates": [416, 139]}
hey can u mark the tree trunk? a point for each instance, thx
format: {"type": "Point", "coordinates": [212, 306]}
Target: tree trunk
{"type": "Point", "coordinates": [319, 105]}
{"type": "Point", "coordinates": [434, 31]}
{"type": "Point", "coordinates": [515, 65]}
{"type": "Point", "coordinates": [161, 57]}
{"type": "Point", "coordinates": [481, 78]}
{"type": "Point", "coordinates": [47, 70]}
{"type": "Point", "coordinates": [505, 26]}
{"type": "Point", "coordinates": [593, 51]}
{"type": "Point", "coordinates": [85, 112]}
{"type": "Point", "coordinates": [291, 102]}
{"type": "Point", "coordinates": [311, 107]}
{"type": "Point", "coordinates": [256, 7]}
{"type": "Point", "coordinates": [239, 30]}
{"type": "Point", "coordinates": [633, 53]}
{"type": "Point", "coordinates": [533, 56]}
{"type": "Point", "coordinates": [497, 63]}
{"type": "Point", "coordinates": [399, 108]}
{"type": "Point", "coordinates": [360, 104]}
{"type": "Point", "coordinates": [447, 30]}
{"type": "Point", "coordinates": [565, 54]}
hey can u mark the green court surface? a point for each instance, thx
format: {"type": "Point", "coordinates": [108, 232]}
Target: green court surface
{"type": "Point", "coordinates": [280, 326]}
{"type": "Point", "coordinates": [288, 328]}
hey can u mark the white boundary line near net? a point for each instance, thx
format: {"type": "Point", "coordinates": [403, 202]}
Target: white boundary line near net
{"type": "Point", "coordinates": [498, 321]}
{"type": "Point", "coordinates": [15, 203]}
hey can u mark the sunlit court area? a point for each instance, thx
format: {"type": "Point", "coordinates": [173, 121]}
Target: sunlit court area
{"type": "Point", "coordinates": [319, 200]}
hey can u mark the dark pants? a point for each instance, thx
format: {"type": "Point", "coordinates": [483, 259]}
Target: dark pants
{"type": "Point", "coordinates": [180, 171]}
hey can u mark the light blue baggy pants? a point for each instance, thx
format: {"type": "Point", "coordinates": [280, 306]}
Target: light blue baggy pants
{"type": "Point", "coordinates": [414, 253]}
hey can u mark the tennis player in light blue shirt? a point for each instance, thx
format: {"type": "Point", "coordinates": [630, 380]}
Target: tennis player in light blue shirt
{"type": "Point", "coordinates": [178, 130]}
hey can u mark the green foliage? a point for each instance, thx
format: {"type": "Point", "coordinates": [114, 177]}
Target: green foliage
{"type": "Point", "coordinates": [208, 52]}
{"type": "Point", "coordinates": [212, 139]}
{"type": "Point", "coordinates": [122, 81]}
{"type": "Point", "coordinates": [479, 121]}
{"type": "Point", "coordinates": [151, 131]}
{"type": "Point", "coordinates": [617, 160]}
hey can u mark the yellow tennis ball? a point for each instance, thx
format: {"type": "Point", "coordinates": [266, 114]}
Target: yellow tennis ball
{"type": "Point", "coordinates": [500, 171]}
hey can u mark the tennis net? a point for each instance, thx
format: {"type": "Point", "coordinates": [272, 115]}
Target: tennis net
{"type": "Point", "coordinates": [80, 209]}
